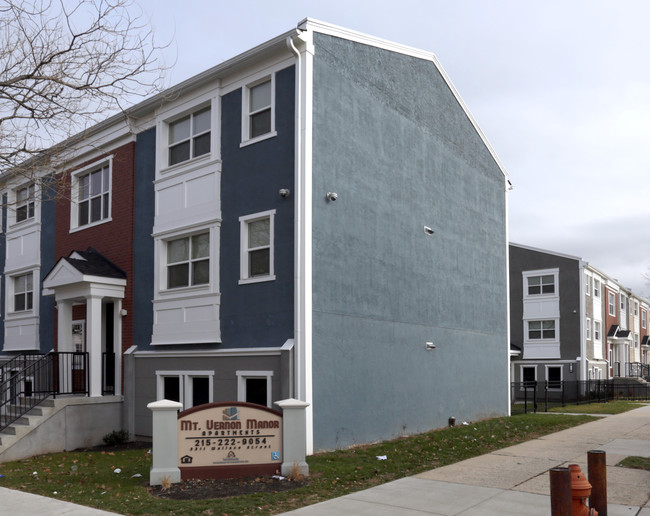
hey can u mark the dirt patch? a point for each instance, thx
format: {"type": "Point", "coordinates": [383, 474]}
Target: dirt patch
{"type": "Point", "coordinates": [202, 489]}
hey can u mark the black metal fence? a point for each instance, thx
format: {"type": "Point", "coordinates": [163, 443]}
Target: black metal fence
{"type": "Point", "coordinates": [28, 380]}
{"type": "Point", "coordinates": [534, 396]}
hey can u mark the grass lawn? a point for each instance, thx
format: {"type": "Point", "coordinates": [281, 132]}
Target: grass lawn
{"type": "Point", "coordinates": [610, 407]}
{"type": "Point", "coordinates": [635, 463]}
{"type": "Point", "coordinates": [89, 478]}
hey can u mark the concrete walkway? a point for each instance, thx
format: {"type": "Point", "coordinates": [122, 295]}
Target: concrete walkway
{"type": "Point", "coordinates": [514, 480]}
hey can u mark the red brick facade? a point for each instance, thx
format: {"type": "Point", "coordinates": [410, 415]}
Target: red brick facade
{"type": "Point", "coordinates": [113, 239]}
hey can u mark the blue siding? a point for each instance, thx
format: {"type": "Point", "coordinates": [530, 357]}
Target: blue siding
{"type": "Point", "coordinates": [48, 260]}
{"type": "Point", "coordinates": [143, 248]}
{"type": "Point", "coordinates": [393, 142]}
{"type": "Point", "coordinates": [258, 314]}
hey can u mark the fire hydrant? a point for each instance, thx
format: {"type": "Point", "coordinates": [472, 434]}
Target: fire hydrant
{"type": "Point", "coordinates": [581, 490]}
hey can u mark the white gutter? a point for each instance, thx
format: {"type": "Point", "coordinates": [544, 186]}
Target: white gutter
{"type": "Point", "coordinates": [303, 227]}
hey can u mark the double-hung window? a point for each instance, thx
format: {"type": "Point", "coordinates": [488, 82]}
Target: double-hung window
{"type": "Point", "coordinates": [94, 196]}
{"type": "Point", "coordinates": [189, 137]}
{"type": "Point", "coordinates": [587, 284]}
{"type": "Point", "coordinates": [611, 303]}
{"type": "Point", "coordinates": [541, 330]}
{"type": "Point", "coordinates": [25, 203]}
{"type": "Point", "coordinates": [588, 328]}
{"type": "Point", "coordinates": [644, 316]}
{"type": "Point", "coordinates": [539, 285]}
{"type": "Point", "coordinates": [188, 261]}
{"type": "Point", "coordinates": [597, 330]}
{"type": "Point", "coordinates": [596, 287]}
{"type": "Point", "coordinates": [257, 234]}
{"type": "Point", "coordinates": [258, 110]}
{"type": "Point", "coordinates": [23, 292]}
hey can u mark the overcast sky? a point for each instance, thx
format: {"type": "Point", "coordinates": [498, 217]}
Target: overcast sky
{"type": "Point", "coordinates": [561, 90]}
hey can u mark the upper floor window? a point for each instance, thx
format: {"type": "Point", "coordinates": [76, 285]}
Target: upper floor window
{"type": "Point", "coordinates": [258, 120]}
{"type": "Point", "coordinates": [25, 203]}
{"type": "Point", "coordinates": [623, 299]}
{"type": "Point", "coordinates": [23, 292]}
{"type": "Point", "coordinates": [588, 328]}
{"type": "Point", "coordinates": [597, 330]}
{"type": "Point", "coordinates": [587, 284]}
{"type": "Point", "coordinates": [257, 262]}
{"type": "Point", "coordinates": [538, 285]}
{"type": "Point", "coordinates": [644, 318]}
{"type": "Point", "coordinates": [92, 193]}
{"type": "Point", "coordinates": [189, 137]}
{"type": "Point", "coordinates": [188, 261]}
{"type": "Point", "coordinates": [541, 330]}
{"type": "Point", "coordinates": [636, 308]}
{"type": "Point", "coordinates": [596, 287]}
{"type": "Point", "coordinates": [636, 340]}
{"type": "Point", "coordinates": [611, 303]}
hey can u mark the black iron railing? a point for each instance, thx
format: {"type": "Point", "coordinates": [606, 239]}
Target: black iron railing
{"type": "Point", "coordinates": [532, 396]}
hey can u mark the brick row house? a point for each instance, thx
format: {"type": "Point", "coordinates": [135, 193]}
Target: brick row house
{"type": "Point", "coordinates": [287, 224]}
{"type": "Point", "coordinates": [571, 321]}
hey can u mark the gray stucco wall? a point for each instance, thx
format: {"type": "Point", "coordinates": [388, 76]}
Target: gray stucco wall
{"type": "Point", "coordinates": [392, 141]}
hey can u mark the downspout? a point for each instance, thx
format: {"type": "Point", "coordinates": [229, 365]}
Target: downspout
{"type": "Point", "coordinates": [303, 230]}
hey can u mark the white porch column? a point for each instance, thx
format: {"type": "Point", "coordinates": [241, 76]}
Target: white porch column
{"type": "Point", "coordinates": [64, 343]}
{"type": "Point", "coordinates": [117, 345]}
{"type": "Point", "coordinates": [94, 343]}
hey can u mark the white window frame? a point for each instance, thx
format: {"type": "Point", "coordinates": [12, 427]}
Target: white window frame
{"type": "Point", "coordinates": [244, 221]}
{"type": "Point", "coordinates": [189, 261]}
{"type": "Point", "coordinates": [597, 331]}
{"type": "Point", "coordinates": [597, 287]}
{"type": "Point", "coordinates": [246, 114]}
{"type": "Point", "coordinates": [556, 328]}
{"type": "Point", "coordinates": [521, 373]}
{"type": "Point", "coordinates": [587, 284]}
{"type": "Point", "coordinates": [12, 292]}
{"type": "Point", "coordinates": [75, 177]}
{"type": "Point", "coordinates": [242, 376]}
{"type": "Point", "coordinates": [611, 303]}
{"type": "Point", "coordinates": [561, 368]}
{"type": "Point", "coordinates": [636, 308]}
{"type": "Point", "coordinates": [527, 275]}
{"type": "Point", "coordinates": [30, 200]}
{"type": "Point", "coordinates": [636, 340]}
{"type": "Point", "coordinates": [622, 302]}
{"type": "Point", "coordinates": [191, 114]}
{"type": "Point", "coordinates": [588, 328]}
{"type": "Point", "coordinates": [644, 318]}
{"type": "Point", "coordinates": [185, 384]}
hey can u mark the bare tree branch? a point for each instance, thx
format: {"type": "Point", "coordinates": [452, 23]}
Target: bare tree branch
{"type": "Point", "coordinates": [63, 67]}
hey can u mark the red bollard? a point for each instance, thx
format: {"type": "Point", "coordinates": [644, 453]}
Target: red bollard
{"type": "Point", "coordinates": [597, 469]}
{"type": "Point", "coordinates": [561, 495]}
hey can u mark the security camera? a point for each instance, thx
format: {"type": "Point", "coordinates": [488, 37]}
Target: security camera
{"type": "Point", "coordinates": [332, 196]}
{"type": "Point", "coordinates": [284, 192]}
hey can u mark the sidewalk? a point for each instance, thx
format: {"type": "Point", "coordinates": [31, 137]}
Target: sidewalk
{"type": "Point", "coordinates": [514, 480]}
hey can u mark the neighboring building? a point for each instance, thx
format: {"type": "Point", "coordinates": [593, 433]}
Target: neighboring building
{"type": "Point", "coordinates": [303, 221]}
{"type": "Point", "coordinates": [571, 321]}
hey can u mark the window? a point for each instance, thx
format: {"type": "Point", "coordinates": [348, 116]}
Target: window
{"type": "Point", "coordinates": [25, 203]}
{"type": "Point", "coordinates": [255, 387]}
{"type": "Point", "coordinates": [541, 330]}
{"type": "Point", "coordinates": [587, 284]}
{"type": "Point", "coordinates": [23, 292]}
{"type": "Point", "coordinates": [636, 309]}
{"type": "Point", "coordinates": [611, 303]}
{"type": "Point", "coordinates": [93, 196]}
{"type": "Point", "coordinates": [538, 285]}
{"type": "Point", "coordinates": [636, 340]}
{"type": "Point", "coordinates": [258, 110]}
{"type": "Point", "coordinates": [191, 388]}
{"type": "Point", "coordinates": [188, 261]}
{"type": "Point", "coordinates": [644, 318]}
{"type": "Point", "coordinates": [623, 299]}
{"type": "Point", "coordinates": [597, 330]}
{"type": "Point", "coordinates": [189, 137]}
{"type": "Point", "coordinates": [529, 375]}
{"type": "Point", "coordinates": [554, 377]}
{"type": "Point", "coordinates": [257, 247]}
{"type": "Point", "coordinates": [588, 328]}
{"type": "Point", "coordinates": [596, 287]}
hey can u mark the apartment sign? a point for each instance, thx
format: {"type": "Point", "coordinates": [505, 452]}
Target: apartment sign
{"type": "Point", "coordinates": [218, 440]}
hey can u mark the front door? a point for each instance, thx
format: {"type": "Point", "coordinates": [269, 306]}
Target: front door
{"type": "Point", "coordinates": [79, 365]}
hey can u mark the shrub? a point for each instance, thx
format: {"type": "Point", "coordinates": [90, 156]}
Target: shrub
{"type": "Point", "coordinates": [116, 437]}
